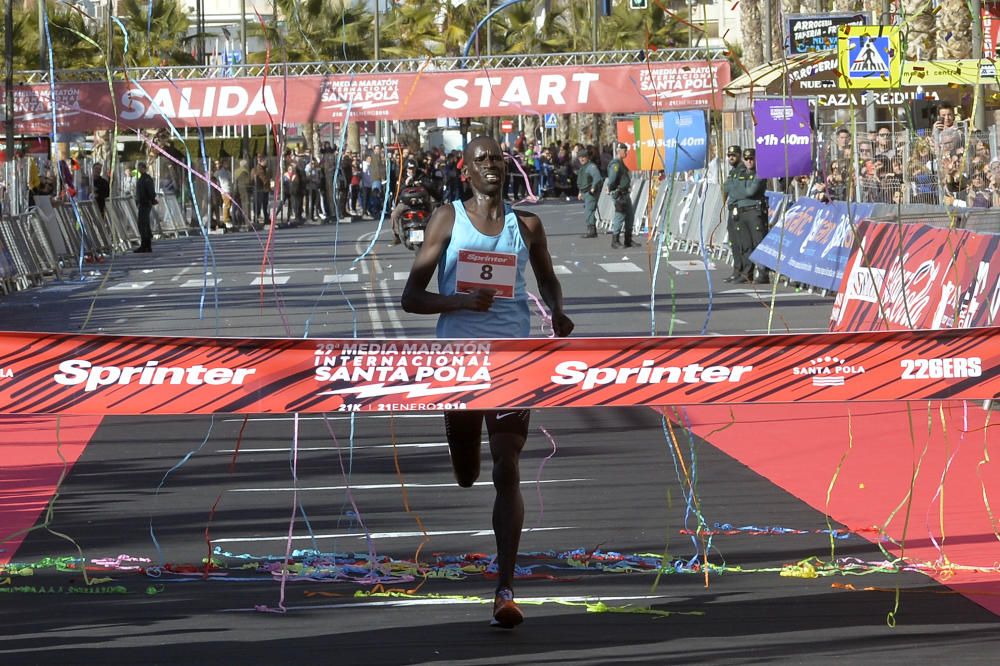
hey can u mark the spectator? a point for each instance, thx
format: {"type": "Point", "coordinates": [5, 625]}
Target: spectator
{"type": "Point", "coordinates": [243, 192]}
{"type": "Point", "coordinates": [947, 135]}
{"type": "Point", "coordinates": [261, 181]}
{"type": "Point", "coordinates": [979, 196]}
{"type": "Point", "coordinates": [224, 179]}
{"type": "Point", "coordinates": [883, 144]}
{"type": "Point", "coordinates": [841, 148]}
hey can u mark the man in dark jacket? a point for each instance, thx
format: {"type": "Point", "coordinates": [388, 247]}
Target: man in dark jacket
{"type": "Point", "coordinates": [102, 189]}
{"type": "Point", "coordinates": [747, 204]}
{"type": "Point", "coordinates": [145, 199]}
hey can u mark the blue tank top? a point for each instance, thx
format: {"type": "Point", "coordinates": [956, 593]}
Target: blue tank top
{"type": "Point", "coordinates": [508, 317]}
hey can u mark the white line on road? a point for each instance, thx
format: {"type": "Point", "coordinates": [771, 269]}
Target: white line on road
{"type": "Point", "coordinates": [129, 286]}
{"type": "Point", "coordinates": [303, 449]}
{"type": "Point", "coordinates": [388, 486]}
{"type": "Point", "coordinates": [270, 280]}
{"type": "Point", "coordinates": [402, 602]}
{"type": "Point", "coordinates": [621, 267]}
{"type": "Point", "coordinates": [559, 269]}
{"type": "Point", "coordinates": [199, 283]}
{"type": "Point", "coordinates": [763, 293]}
{"type": "Point", "coordinates": [342, 278]}
{"type": "Point", "coordinates": [380, 535]}
{"type": "Point", "coordinates": [182, 272]}
{"type": "Point", "coordinates": [390, 306]}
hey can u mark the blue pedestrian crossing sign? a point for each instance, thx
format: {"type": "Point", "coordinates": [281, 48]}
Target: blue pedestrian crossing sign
{"type": "Point", "coordinates": [869, 56]}
{"type": "Point", "coordinates": [550, 121]}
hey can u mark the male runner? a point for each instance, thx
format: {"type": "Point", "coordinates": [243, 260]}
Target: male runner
{"type": "Point", "coordinates": [485, 223]}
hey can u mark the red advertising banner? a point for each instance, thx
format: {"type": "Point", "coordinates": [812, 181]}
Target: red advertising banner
{"type": "Point", "coordinates": [651, 87]}
{"type": "Point", "coordinates": [991, 28]}
{"type": "Point", "coordinates": [127, 375]}
{"type": "Point", "coordinates": [920, 278]}
{"type": "Point", "coordinates": [625, 131]}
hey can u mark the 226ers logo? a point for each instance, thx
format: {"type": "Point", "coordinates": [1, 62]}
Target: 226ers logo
{"type": "Point", "coordinates": [478, 269]}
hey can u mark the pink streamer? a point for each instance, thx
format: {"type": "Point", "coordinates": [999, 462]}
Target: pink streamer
{"type": "Point", "coordinates": [538, 476]}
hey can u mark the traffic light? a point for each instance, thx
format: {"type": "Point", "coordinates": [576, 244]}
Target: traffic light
{"type": "Point", "coordinates": [638, 4]}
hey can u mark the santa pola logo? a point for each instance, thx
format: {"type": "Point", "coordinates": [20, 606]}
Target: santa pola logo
{"type": "Point", "coordinates": [6, 373]}
{"type": "Point", "coordinates": [828, 371]}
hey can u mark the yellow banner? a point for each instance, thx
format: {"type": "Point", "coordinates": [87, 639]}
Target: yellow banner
{"type": "Point", "coordinates": [949, 73]}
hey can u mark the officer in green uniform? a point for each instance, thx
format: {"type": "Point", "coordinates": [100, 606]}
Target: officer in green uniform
{"type": "Point", "coordinates": [747, 205]}
{"type": "Point", "coordinates": [589, 183]}
{"type": "Point", "coordinates": [620, 188]}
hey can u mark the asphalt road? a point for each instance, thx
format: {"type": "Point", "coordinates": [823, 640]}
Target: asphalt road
{"type": "Point", "coordinates": [604, 489]}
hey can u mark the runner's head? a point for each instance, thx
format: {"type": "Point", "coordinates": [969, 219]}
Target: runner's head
{"type": "Point", "coordinates": [483, 165]}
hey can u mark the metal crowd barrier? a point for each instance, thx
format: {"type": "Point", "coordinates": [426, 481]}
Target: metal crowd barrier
{"type": "Point", "coordinates": [51, 235]}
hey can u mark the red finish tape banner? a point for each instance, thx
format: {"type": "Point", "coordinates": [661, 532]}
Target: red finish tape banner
{"type": "Point", "coordinates": [127, 375]}
{"type": "Point", "coordinates": [914, 276]}
{"type": "Point", "coordinates": [83, 107]}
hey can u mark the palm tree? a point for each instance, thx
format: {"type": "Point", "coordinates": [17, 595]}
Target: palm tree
{"type": "Point", "coordinates": [345, 31]}
{"type": "Point", "coordinates": [954, 30]}
{"type": "Point", "coordinates": [73, 38]}
{"type": "Point", "coordinates": [411, 30]}
{"type": "Point", "coordinates": [519, 32]}
{"type": "Point", "coordinates": [919, 29]}
{"type": "Point", "coordinates": [159, 38]}
{"type": "Point", "coordinates": [751, 28]}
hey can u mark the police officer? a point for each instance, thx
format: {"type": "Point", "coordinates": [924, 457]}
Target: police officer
{"type": "Point", "coordinates": [589, 183]}
{"type": "Point", "coordinates": [620, 188]}
{"type": "Point", "coordinates": [747, 205]}
{"type": "Point", "coordinates": [736, 169]}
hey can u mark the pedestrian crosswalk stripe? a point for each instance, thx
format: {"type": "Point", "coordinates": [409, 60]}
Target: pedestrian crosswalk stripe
{"type": "Point", "coordinates": [129, 286]}
{"type": "Point", "coordinates": [621, 267]}
{"type": "Point", "coordinates": [270, 280]}
{"type": "Point", "coordinates": [199, 283]}
{"type": "Point", "coordinates": [342, 278]}
{"type": "Point", "coordinates": [401, 275]}
{"type": "Point", "coordinates": [559, 269]}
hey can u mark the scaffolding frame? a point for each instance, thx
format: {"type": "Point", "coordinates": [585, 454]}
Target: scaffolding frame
{"type": "Point", "coordinates": [384, 66]}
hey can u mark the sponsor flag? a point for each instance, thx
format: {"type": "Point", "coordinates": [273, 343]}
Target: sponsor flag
{"type": "Point", "coordinates": [685, 141]}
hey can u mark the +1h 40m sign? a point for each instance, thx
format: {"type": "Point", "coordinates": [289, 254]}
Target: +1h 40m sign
{"type": "Point", "coordinates": [868, 56]}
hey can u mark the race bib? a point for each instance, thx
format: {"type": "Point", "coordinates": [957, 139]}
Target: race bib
{"type": "Point", "coordinates": [486, 270]}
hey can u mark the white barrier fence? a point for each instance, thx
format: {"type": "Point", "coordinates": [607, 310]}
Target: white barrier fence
{"type": "Point", "coordinates": [53, 238]}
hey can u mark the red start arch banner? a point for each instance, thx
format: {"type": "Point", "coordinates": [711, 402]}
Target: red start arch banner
{"type": "Point", "coordinates": [642, 87]}
{"type": "Point", "coordinates": [47, 373]}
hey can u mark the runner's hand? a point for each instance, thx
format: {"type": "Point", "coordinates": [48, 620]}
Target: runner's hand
{"type": "Point", "coordinates": [480, 300]}
{"type": "Point", "coordinates": [562, 325]}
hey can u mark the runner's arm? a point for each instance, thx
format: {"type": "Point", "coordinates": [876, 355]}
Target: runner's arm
{"type": "Point", "coordinates": [541, 263]}
{"type": "Point", "coordinates": [416, 298]}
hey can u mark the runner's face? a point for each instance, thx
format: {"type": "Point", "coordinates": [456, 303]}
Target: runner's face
{"type": "Point", "coordinates": [484, 166]}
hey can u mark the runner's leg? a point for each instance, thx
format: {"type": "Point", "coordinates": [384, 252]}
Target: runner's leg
{"type": "Point", "coordinates": [465, 433]}
{"type": "Point", "coordinates": [508, 433]}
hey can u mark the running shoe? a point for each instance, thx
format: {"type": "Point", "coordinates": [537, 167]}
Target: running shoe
{"type": "Point", "coordinates": [506, 613]}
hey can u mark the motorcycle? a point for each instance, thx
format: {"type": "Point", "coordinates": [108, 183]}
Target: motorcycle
{"type": "Point", "coordinates": [413, 219]}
